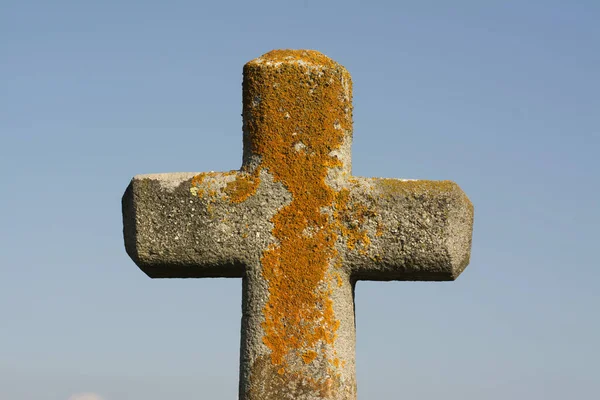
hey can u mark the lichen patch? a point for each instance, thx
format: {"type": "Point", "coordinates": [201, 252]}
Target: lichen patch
{"type": "Point", "coordinates": [235, 186]}
{"type": "Point", "coordinates": [302, 119]}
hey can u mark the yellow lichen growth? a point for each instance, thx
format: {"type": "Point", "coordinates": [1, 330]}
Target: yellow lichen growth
{"type": "Point", "coordinates": [350, 219]}
{"type": "Point", "coordinates": [242, 187]}
{"type": "Point", "coordinates": [309, 356]}
{"type": "Point", "coordinates": [196, 183]}
{"type": "Point", "coordinates": [380, 229]}
{"type": "Point", "coordinates": [296, 116]}
{"type": "Point", "coordinates": [268, 382]}
{"type": "Point", "coordinates": [297, 113]}
{"type": "Point", "coordinates": [336, 277]}
{"type": "Point", "coordinates": [238, 190]}
{"type": "Point", "coordinates": [326, 388]}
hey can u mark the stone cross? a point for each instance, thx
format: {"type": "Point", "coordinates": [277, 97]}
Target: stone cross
{"type": "Point", "coordinates": [297, 227]}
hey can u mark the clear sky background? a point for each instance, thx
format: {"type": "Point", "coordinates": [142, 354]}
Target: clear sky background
{"type": "Point", "coordinates": [502, 97]}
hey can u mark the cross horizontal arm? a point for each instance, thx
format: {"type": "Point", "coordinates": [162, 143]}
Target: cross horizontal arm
{"type": "Point", "coordinates": [416, 230]}
{"type": "Point", "coordinates": [186, 225]}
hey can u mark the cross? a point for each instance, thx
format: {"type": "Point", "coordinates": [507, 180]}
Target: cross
{"type": "Point", "coordinates": [297, 227]}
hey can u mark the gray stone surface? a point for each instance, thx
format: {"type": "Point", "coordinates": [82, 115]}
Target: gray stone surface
{"type": "Point", "coordinates": [298, 228]}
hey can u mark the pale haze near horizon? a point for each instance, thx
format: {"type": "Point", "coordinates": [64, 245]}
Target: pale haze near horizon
{"type": "Point", "coordinates": [500, 96]}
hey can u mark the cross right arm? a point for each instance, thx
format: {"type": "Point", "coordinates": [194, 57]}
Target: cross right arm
{"type": "Point", "coordinates": [414, 230]}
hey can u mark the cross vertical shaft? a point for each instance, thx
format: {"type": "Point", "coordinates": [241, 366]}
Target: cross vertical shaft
{"type": "Point", "coordinates": [298, 127]}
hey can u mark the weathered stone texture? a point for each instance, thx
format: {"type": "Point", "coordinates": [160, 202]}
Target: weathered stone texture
{"type": "Point", "coordinates": [297, 227]}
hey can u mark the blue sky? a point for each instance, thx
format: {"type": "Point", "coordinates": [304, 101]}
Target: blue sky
{"type": "Point", "coordinates": [500, 96]}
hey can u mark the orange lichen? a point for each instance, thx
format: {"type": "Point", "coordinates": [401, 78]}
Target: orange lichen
{"type": "Point", "coordinates": [295, 118]}
{"type": "Point", "coordinates": [309, 356]}
{"type": "Point", "coordinates": [350, 218]}
{"type": "Point", "coordinates": [297, 112]}
{"type": "Point", "coordinates": [267, 383]}
{"type": "Point", "coordinates": [238, 190]}
{"type": "Point", "coordinates": [196, 183]}
{"type": "Point", "coordinates": [336, 277]}
{"type": "Point", "coordinates": [242, 187]}
{"type": "Point", "coordinates": [380, 229]}
{"type": "Point", "coordinates": [326, 388]}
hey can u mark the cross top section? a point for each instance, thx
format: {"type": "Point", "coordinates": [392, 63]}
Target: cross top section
{"type": "Point", "coordinates": [297, 227]}
{"type": "Point", "coordinates": [297, 109]}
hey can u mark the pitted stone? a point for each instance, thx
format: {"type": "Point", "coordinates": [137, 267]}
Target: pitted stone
{"type": "Point", "coordinates": [297, 227]}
